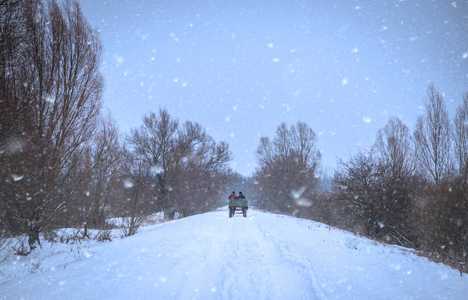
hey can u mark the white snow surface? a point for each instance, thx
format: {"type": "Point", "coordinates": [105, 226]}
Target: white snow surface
{"type": "Point", "coordinates": [212, 256]}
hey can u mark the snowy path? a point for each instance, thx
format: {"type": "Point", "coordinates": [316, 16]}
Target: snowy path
{"type": "Point", "coordinates": [264, 256]}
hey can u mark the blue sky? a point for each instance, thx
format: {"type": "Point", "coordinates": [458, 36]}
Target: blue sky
{"type": "Point", "coordinates": [240, 68]}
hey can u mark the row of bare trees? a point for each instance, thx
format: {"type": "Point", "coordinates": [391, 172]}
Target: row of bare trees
{"type": "Point", "coordinates": [409, 188]}
{"type": "Point", "coordinates": [62, 163]}
{"type": "Point", "coordinates": [50, 89]}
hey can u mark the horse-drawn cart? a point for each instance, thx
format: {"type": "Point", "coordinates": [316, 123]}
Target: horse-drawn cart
{"type": "Point", "coordinates": [238, 205]}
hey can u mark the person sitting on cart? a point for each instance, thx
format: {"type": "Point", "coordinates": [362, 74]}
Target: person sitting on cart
{"type": "Point", "coordinates": [233, 195]}
{"type": "Point", "coordinates": [241, 195]}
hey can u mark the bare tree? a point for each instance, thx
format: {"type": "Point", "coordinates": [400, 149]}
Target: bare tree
{"type": "Point", "coordinates": [304, 143]}
{"type": "Point", "coordinates": [460, 136]}
{"type": "Point", "coordinates": [398, 180]}
{"type": "Point", "coordinates": [288, 168]}
{"type": "Point", "coordinates": [394, 146]}
{"type": "Point", "coordinates": [356, 185]}
{"type": "Point", "coordinates": [432, 136]}
{"type": "Point", "coordinates": [154, 142]}
{"type": "Point", "coordinates": [98, 174]}
{"type": "Point", "coordinates": [199, 166]}
{"type": "Point", "coordinates": [184, 160]}
{"type": "Point", "coordinates": [14, 111]}
{"type": "Point", "coordinates": [137, 181]}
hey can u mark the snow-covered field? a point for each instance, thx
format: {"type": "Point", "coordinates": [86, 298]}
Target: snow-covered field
{"type": "Point", "coordinates": [211, 256]}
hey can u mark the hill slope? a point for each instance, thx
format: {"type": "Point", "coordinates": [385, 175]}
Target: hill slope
{"type": "Point", "coordinates": [211, 256]}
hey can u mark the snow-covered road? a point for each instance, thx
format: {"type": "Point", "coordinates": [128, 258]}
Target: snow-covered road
{"type": "Point", "coordinates": [212, 256]}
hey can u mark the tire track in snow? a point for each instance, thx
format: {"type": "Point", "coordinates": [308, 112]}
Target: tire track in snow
{"type": "Point", "coordinates": [244, 273]}
{"type": "Point", "coordinates": [302, 263]}
{"type": "Point", "coordinates": [204, 278]}
{"type": "Point", "coordinates": [268, 260]}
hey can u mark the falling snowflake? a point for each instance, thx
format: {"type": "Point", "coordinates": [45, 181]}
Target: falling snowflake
{"type": "Point", "coordinates": [119, 59]}
{"type": "Point", "coordinates": [144, 36]}
{"type": "Point", "coordinates": [303, 202]}
{"type": "Point", "coordinates": [17, 177]}
{"type": "Point", "coordinates": [157, 169]}
{"type": "Point", "coordinates": [366, 119]}
{"type": "Point", "coordinates": [298, 193]}
{"type": "Point", "coordinates": [465, 55]}
{"type": "Point", "coordinates": [344, 81]}
{"type": "Point", "coordinates": [128, 184]}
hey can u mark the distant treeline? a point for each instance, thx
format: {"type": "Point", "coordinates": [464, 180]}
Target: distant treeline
{"type": "Point", "coordinates": [409, 189]}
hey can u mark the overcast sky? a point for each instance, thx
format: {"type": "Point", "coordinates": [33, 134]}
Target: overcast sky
{"type": "Point", "coordinates": [240, 68]}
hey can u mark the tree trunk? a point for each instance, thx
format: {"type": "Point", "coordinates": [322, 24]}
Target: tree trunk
{"type": "Point", "coordinates": [33, 238]}
{"type": "Point", "coordinates": [85, 227]}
